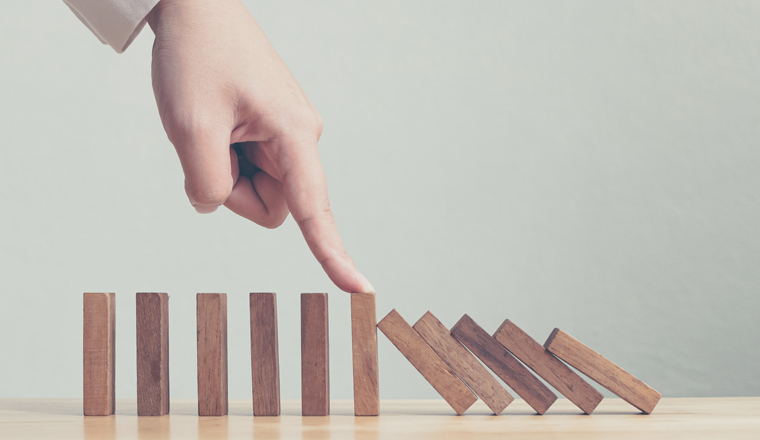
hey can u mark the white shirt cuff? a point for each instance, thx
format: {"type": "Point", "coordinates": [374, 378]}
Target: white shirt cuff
{"type": "Point", "coordinates": [114, 22]}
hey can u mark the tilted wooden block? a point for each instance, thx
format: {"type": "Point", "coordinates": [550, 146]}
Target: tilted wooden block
{"type": "Point", "coordinates": [152, 354]}
{"type": "Point", "coordinates": [212, 354]}
{"type": "Point", "coordinates": [464, 364]}
{"type": "Point", "coordinates": [551, 369]}
{"type": "Point", "coordinates": [427, 362]}
{"type": "Point", "coordinates": [99, 353]}
{"type": "Point", "coordinates": [607, 374]}
{"type": "Point", "coordinates": [364, 350]}
{"type": "Point", "coordinates": [315, 362]}
{"type": "Point", "coordinates": [501, 362]}
{"type": "Point", "coordinates": [265, 364]}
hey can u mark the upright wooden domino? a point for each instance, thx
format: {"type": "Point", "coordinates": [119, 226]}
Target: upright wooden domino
{"type": "Point", "coordinates": [364, 350]}
{"type": "Point", "coordinates": [264, 355]}
{"type": "Point", "coordinates": [551, 369]}
{"type": "Point", "coordinates": [427, 362]}
{"type": "Point", "coordinates": [315, 363]}
{"type": "Point", "coordinates": [607, 374]}
{"type": "Point", "coordinates": [464, 364]}
{"type": "Point", "coordinates": [501, 362]}
{"type": "Point", "coordinates": [152, 354]}
{"type": "Point", "coordinates": [212, 354]}
{"type": "Point", "coordinates": [99, 353]}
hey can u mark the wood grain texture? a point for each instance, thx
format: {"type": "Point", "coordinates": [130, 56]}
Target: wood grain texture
{"type": "Point", "coordinates": [99, 353]}
{"type": "Point", "coordinates": [364, 350]}
{"type": "Point", "coordinates": [463, 363]}
{"type": "Point", "coordinates": [501, 362]}
{"type": "Point", "coordinates": [315, 362]}
{"type": "Point", "coordinates": [427, 362]}
{"type": "Point", "coordinates": [152, 354]}
{"type": "Point", "coordinates": [605, 372]}
{"type": "Point", "coordinates": [212, 354]}
{"type": "Point", "coordinates": [265, 361]}
{"type": "Point", "coordinates": [551, 369]}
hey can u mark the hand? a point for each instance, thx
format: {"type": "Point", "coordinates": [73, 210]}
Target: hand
{"type": "Point", "coordinates": [245, 132]}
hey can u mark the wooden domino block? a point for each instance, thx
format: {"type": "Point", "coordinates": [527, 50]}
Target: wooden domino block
{"type": "Point", "coordinates": [427, 362]}
{"type": "Point", "coordinates": [501, 362]}
{"type": "Point", "coordinates": [603, 371]}
{"type": "Point", "coordinates": [551, 369]}
{"type": "Point", "coordinates": [464, 364]}
{"type": "Point", "coordinates": [152, 354]}
{"type": "Point", "coordinates": [212, 354]}
{"type": "Point", "coordinates": [99, 353]}
{"type": "Point", "coordinates": [315, 363]}
{"type": "Point", "coordinates": [364, 349]}
{"type": "Point", "coordinates": [264, 355]}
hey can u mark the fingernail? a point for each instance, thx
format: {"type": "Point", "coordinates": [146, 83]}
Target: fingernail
{"type": "Point", "coordinates": [367, 286]}
{"type": "Point", "coordinates": [206, 209]}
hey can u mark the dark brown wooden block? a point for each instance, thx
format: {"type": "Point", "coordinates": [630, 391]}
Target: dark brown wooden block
{"type": "Point", "coordinates": [212, 354]}
{"type": "Point", "coordinates": [551, 369]}
{"type": "Point", "coordinates": [152, 354]}
{"type": "Point", "coordinates": [315, 362]}
{"type": "Point", "coordinates": [427, 362]}
{"type": "Point", "coordinates": [265, 363]}
{"type": "Point", "coordinates": [99, 353]}
{"type": "Point", "coordinates": [607, 374]}
{"type": "Point", "coordinates": [501, 362]}
{"type": "Point", "coordinates": [364, 350]}
{"type": "Point", "coordinates": [464, 364]}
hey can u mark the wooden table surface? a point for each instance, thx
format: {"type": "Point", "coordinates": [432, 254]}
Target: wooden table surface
{"type": "Point", "coordinates": [715, 418]}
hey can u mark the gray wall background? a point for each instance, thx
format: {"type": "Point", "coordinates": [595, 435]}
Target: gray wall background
{"type": "Point", "coordinates": [588, 165]}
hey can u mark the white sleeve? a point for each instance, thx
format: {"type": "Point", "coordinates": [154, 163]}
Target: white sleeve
{"type": "Point", "coordinates": [114, 22]}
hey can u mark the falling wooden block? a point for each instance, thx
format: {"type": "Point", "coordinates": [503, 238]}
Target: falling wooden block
{"type": "Point", "coordinates": [315, 363]}
{"type": "Point", "coordinates": [501, 362]}
{"type": "Point", "coordinates": [212, 354]}
{"type": "Point", "coordinates": [551, 369]}
{"type": "Point", "coordinates": [364, 349]}
{"type": "Point", "coordinates": [427, 362]}
{"type": "Point", "coordinates": [464, 364]}
{"type": "Point", "coordinates": [99, 353]}
{"type": "Point", "coordinates": [607, 374]}
{"type": "Point", "coordinates": [264, 355]}
{"type": "Point", "coordinates": [152, 354]}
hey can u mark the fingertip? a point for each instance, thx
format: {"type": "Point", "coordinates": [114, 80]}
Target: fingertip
{"type": "Point", "coordinates": [205, 209]}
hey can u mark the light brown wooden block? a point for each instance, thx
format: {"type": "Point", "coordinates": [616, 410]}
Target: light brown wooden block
{"type": "Point", "coordinates": [315, 362]}
{"type": "Point", "coordinates": [607, 374]}
{"type": "Point", "coordinates": [501, 362]}
{"type": "Point", "coordinates": [551, 369]}
{"type": "Point", "coordinates": [212, 354]}
{"type": "Point", "coordinates": [464, 364]}
{"type": "Point", "coordinates": [152, 354]}
{"type": "Point", "coordinates": [427, 362]}
{"type": "Point", "coordinates": [364, 350]}
{"type": "Point", "coordinates": [99, 353]}
{"type": "Point", "coordinates": [265, 363]}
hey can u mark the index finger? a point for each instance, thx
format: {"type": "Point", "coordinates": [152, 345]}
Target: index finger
{"type": "Point", "coordinates": [305, 191]}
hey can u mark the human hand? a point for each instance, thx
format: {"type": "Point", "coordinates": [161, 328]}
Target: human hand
{"type": "Point", "coordinates": [218, 81]}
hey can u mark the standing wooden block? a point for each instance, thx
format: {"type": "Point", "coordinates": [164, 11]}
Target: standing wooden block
{"type": "Point", "coordinates": [315, 362]}
{"type": "Point", "coordinates": [607, 374]}
{"type": "Point", "coordinates": [265, 363]}
{"type": "Point", "coordinates": [212, 354]}
{"type": "Point", "coordinates": [99, 353]}
{"type": "Point", "coordinates": [152, 354]}
{"type": "Point", "coordinates": [364, 348]}
{"type": "Point", "coordinates": [424, 359]}
{"type": "Point", "coordinates": [551, 369]}
{"type": "Point", "coordinates": [501, 362]}
{"type": "Point", "coordinates": [464, 364]}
